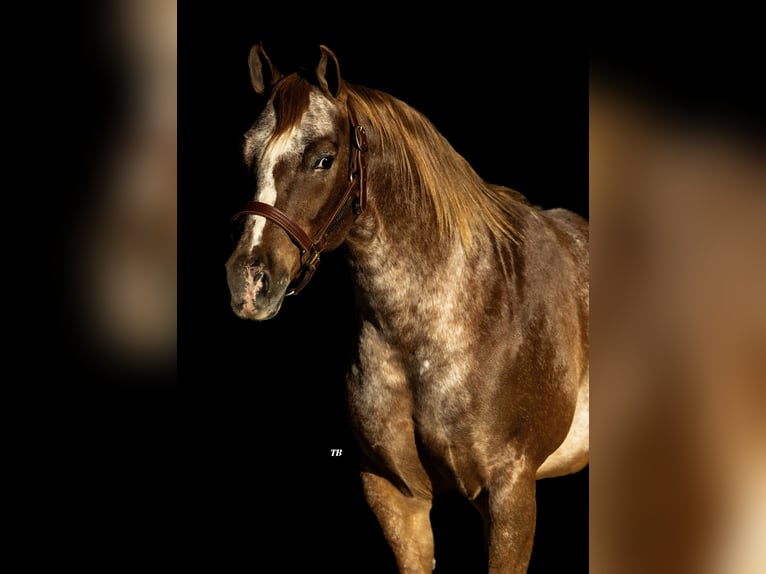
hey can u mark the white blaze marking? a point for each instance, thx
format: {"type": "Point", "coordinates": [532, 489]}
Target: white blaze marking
{"type": "Point", "coordinates": [267, 154]}
{"type": "Point", "coordinates": [283, 145]}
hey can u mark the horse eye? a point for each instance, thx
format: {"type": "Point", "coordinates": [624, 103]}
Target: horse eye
{"type": "Point", "coordinates": [324, 162]}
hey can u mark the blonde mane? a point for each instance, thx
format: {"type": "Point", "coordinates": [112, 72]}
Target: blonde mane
{"type": "Point", "coordinates": [439, 177]}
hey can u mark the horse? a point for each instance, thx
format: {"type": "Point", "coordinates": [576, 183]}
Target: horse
{"type": "Point", "coordinates": [469, 370]}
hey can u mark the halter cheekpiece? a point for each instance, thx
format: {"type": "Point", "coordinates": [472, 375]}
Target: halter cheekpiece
{"type": "Point", "coordinates": [356, 195]}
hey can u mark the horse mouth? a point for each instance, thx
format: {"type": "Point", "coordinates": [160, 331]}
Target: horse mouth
{"type": "Point", "coordinates": [246, 309]}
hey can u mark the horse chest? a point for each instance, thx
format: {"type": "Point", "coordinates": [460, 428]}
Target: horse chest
{"type": "Point", "coordinates": [413, 410]}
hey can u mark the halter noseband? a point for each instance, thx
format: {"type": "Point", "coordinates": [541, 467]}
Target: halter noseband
{"type": "Point", "coordinates": [311, 248]}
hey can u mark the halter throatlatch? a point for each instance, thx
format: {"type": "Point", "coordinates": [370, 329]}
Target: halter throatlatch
{"type": "Point", "coordinates": [311, 248]}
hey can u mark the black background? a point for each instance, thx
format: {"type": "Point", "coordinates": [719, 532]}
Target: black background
{"type": "Point", "coordinates": [267, 399]}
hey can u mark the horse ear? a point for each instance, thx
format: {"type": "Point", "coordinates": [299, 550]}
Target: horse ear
{"type": "Point", "coordinates": [263, 74]}
{"type": "Point", "coordinates": [328, 72]}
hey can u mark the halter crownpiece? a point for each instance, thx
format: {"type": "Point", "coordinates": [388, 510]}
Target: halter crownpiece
{"type": "Point", "coordinates": [358, 151]}
{"type": "Point", "coordinates": [356, 192]}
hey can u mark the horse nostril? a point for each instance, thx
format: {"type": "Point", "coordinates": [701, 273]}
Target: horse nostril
{"type": "Point", "coordinates": [259, 279]}
{"type": "Point", "coordinates": [264, 281]}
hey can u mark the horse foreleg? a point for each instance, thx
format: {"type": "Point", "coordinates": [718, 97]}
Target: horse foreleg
{"type": "Point", "coordinates": [510, 510]}
{"type": "Point", "coordinates": [405, 521]}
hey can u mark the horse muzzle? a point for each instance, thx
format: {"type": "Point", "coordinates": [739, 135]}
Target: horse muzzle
{"type": "Point", "coordinates": [257, 292]}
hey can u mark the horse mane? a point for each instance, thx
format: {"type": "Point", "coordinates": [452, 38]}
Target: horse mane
{"type": "Point", "coordinates": [440, 178]}
{"type": "Point", "coordinates": [425, 163]}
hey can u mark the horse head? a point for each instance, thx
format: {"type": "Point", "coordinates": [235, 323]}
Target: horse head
{"type": "Point", "coordinates": [306, 154]}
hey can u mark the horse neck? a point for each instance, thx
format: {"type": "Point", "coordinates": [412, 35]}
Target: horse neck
{"type": "Point", "coordinates": [401, 211]}
{"type": "Point", "coordinates": [410, 244]}
{"type": "Point", "coordinates": [402, 266]}
{"type": "Point", "coordinates": [389, 240]}
{"type": "Point", "coordinates": [397, 277]}
{"type": "Point", "coordinates": [397, 237]}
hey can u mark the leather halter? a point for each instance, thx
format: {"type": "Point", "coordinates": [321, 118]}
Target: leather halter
{"type": "Point", "coordinates": [310, 248]}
